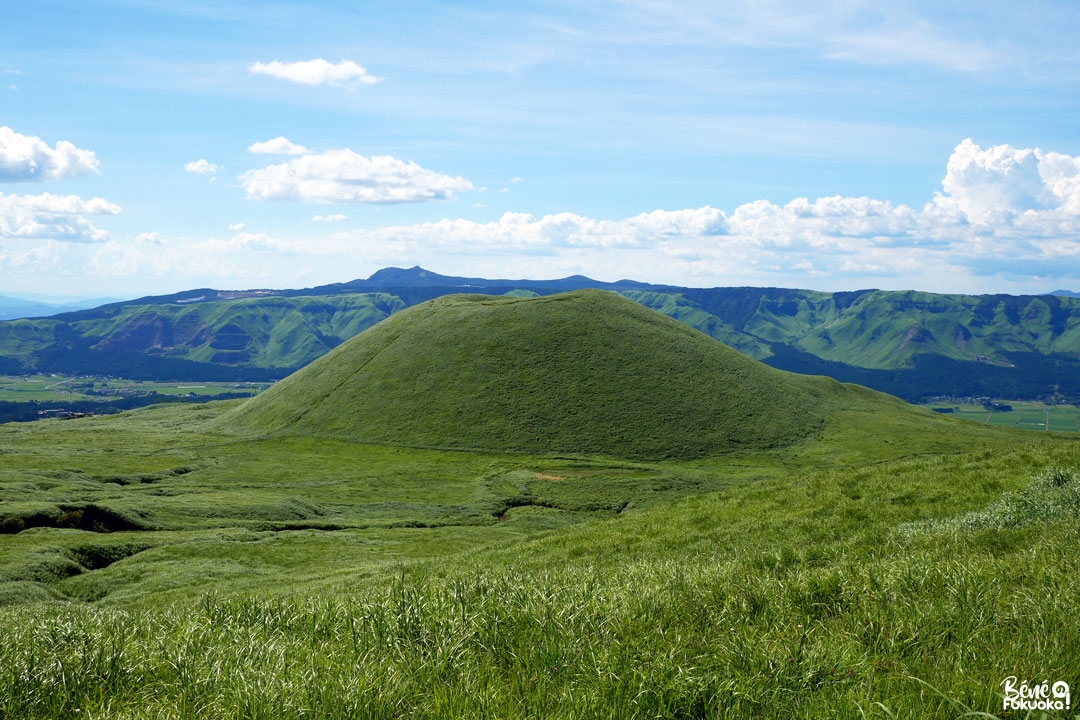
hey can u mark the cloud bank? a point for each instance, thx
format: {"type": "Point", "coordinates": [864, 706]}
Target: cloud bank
{"type": "Point", "coordinates": [27, 158]}
{"type": "Point", "coordinates": [56, 217]}
{"type": "Point", "coordinates": [344, 177]}
{"type": "Point", "coordinates": [1003, 212]}
{"type": "Point", "coordinates": [1005, 220]}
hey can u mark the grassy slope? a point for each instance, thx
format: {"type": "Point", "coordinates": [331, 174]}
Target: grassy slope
{"type": "Point", "coordinates": [809, 593]}
{"type": "Point", "coordinates": [263, 332]}
{"type": "Point", "coordinates": [586, 372]}
{"type": "Point", "coordinates": [697, 317]}
{"type": "Point", "coordinates": [885, 329]}
{"type": "Point", "coordinates": [882, 329]}
{"type": "Point", "coordinates": [21, 339]}
{"type": "Point", "coordinates": [256, 332]}
{"type": "Point", "coordinates": [201, 496]}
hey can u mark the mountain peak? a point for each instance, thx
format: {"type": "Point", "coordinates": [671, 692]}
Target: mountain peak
{"type": "Point", "coordinates": [407, 276]}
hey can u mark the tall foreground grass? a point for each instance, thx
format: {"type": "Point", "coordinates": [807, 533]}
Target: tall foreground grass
{"type": "Point", "coordinates": [925, 625]}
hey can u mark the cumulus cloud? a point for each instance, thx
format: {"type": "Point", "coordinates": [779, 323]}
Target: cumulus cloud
{"type": "Point", "coordinates": [337, 217]}
{"type": "Point", "coordinates": [316, 72]}
{"type": "Point", "coordinates": [202, 167]}
{"type": "Point", "coordinates": [48, 216]}
{"type": "Point", "coordinates": [278, 146]}
{"type": "Point", "coordinates": [347, 178]}
{"type": "Point", "coordinates": [27, 158]}
{"type": "Point", "coordinates": [1001, 179]}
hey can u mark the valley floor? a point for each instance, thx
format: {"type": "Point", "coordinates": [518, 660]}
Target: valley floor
{"type": "Point", "coordinates": [1019, 414]}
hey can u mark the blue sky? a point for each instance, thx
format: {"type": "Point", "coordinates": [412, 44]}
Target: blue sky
{"type": "Point", "coordinates": [149, 147]}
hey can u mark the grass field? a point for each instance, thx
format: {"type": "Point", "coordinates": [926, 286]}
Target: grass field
{"type": "Point", "coordinates": [887, 562]}
{"type": "Point", "coordinates": [1025, 415]}
{"type": "Point", "coordinates": [58, 388]}
{"type": "Point", "coordinates": [841, 577]}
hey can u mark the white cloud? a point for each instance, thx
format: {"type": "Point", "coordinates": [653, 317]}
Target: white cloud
{"type": "Point", "coordinates": [517, 179]}
{"type": "Point", "coordinates": [337, 217]}
{"type": "Point", "coordinates": [1061, 173]}
{"type": "Point", "coordinates": [957, 241]}
{"type": "Point", "coordinates": [26, 158]}
{"type": "Point", "coordinates": [1004, 212]}
{"type": "Point", "coordinates": [521, 232]}
{"type": "Point", "coordinates": [236, 227]}
{"type": "Point", "coordinates": [48, 216]}
{"type": "Point", "coordinates": [151, 238]}
{"type": "Point", "coordinates": [316, 72]}
{"type": "Point", "coordinates": [1002, 179]}
{"type": "Point", "coordinates": [347, 178]}
{"type": "Point", "coordinates": [202, 167]}
{"type": "Point", "coordinates": [278, 146]}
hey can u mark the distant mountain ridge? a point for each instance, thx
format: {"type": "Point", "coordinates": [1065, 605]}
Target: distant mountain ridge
{"type": "Point", "coordinates": [912, 344]}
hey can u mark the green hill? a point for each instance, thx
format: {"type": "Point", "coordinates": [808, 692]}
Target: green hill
{"type": "Point", "coordinates": [583, 372]}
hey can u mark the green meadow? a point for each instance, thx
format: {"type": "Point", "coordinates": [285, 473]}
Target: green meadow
{"type": "Point", "coordinates": [60, 388]}
{"type": "Point", "coordinates": [287, 556]}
